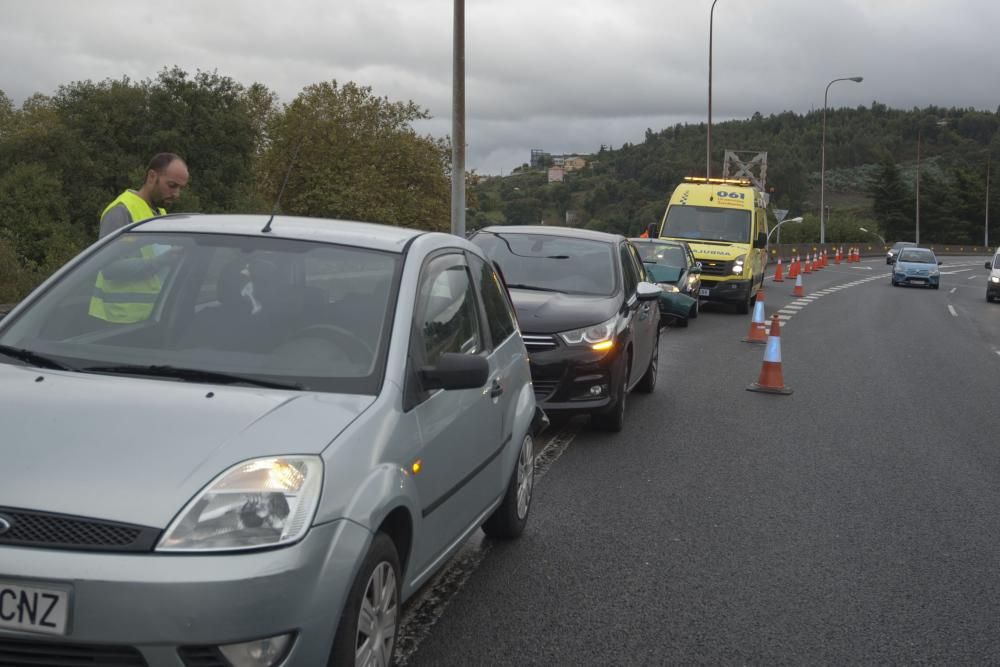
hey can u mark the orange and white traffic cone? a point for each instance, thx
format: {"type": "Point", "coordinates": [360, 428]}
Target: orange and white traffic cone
{"type": "Point", "coordinates": [770, 381]}
{"type": "Point", "coordinates": [825, 258]}
{"type": "Point", "coordinates": [808, 267]}
{"type": "Point", "coordinates": [797, 291]}
{"type": "Point", "coordinates": [818, 264]}
{"type": "Point", "coordinates": [777, 272]}
{"type": "Point", "coordinates": [836, 257]}
{"type": "Point", "coordinates": [758, 325]}
{"type": "Point", "coordinates": [793, 268]}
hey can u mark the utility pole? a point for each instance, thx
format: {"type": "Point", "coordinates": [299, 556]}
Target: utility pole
{"type": "Point", "coordinates": [917, 238]}
{"type": "Point", "coordinates": [986, 231]}
{"type": "Point", "coordinates": [458, 122]}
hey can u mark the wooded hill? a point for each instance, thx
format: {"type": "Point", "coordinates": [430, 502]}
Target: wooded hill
{"type": "Point", "coordinates": [871, 158]}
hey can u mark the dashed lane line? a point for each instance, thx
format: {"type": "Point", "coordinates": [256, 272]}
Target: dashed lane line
{"type": "Point", "coordinates": [951, 309]}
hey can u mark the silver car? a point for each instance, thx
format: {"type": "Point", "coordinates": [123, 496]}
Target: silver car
{"type": "Point", "coordinates": [233, 441]}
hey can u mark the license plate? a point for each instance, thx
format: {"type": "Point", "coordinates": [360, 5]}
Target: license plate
{"type": "Point", "coordinates": [33, 609]}
{"type": "Point", "coordinates": [703, 292]}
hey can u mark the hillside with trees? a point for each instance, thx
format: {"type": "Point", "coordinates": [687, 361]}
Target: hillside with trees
{"type": "Point", "coordinates": [871, 166]}
{"type": "Point", "coordinates": [348, 153]}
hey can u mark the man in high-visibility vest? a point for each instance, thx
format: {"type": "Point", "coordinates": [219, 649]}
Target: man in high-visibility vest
{"type": "Point", "coordinates": [127, 293]}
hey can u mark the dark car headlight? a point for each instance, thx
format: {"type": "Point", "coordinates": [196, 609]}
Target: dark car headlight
{"type": "Point", "coordinates": [598, 336]}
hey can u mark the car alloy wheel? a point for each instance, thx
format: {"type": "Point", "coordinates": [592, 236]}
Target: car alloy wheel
{"type": "Point", "coordinates": [377, 618]}
{"type": "Point", "coordinates": [525, 477]}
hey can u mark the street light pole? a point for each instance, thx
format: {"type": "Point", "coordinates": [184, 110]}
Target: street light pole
{"type": "Point", "coordinates": [822, 169]}
{"type": "Point", "coordinates": [870, 232]}
{"type": "Point", "coordinates": [458, 122]}
{"type": "Point", "coordinates": [917, 231]}
{"type": "Point", "coordinates": [708, 136]}
{"type": "Point", "coordinates": [986, 230]}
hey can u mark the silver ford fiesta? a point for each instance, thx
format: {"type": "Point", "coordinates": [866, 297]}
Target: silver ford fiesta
{"type": "Point", "coordinates": [242, 441]}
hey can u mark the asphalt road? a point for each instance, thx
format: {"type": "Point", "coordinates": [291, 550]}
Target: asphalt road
{"type": "Point", "coordinates": [854, 521]}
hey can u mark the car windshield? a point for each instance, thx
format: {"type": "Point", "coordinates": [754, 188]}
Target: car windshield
{"type": "Point", "coordinates": [557, 263]}
{"type": "Point", "coordinates": [290, 313]}
{"type": "Point", "coordinates": [917, 256]}
{"type": "Point", "coordinates": [707, 223]}
{"type": "Point", "coordinates": [661, 253]}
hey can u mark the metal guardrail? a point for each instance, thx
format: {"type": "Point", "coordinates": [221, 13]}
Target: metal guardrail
{"type": "Point", "coordinates": [6, 308]}
{"type": "Point", "coordinates": [871, 249]}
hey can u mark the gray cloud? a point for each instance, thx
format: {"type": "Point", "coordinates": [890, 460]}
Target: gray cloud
{"type": "Point", "coordinates": [564, 76]}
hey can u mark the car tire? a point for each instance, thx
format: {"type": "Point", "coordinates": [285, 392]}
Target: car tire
{"type": "Point", "coordinates": [894, 283]}
{"type": "Point", "coordinates": [614, 419]}
{"type": "Point", "coordinates": [376, 590]}
{"type": "Point", "coordinates": [683, 321]}
{"type": "Point", "coordinates": [509, 519]}
{"type": "Point", "coordinates": [695, 309]}
{"type": "Point", "coordinates": [647, 384]}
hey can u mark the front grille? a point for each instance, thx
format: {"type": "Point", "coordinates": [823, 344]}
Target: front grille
{"type": "Point", "coordinates": [714, 267]}
{"type": "Point", "coordinates": [544, 388]}
{"type": "Point", "coordinates": [60, 531]}
{"type": "Point", "coordinates": [19, 653]}
{"type": "Point", "coordinates": [202, 656]}
{"type": "Point", "coordinates": [539, 341]}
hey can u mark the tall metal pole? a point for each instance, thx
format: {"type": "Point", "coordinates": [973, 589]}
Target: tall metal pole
{"type": "Point", "coordinates": [822, 167]}
{"type": "Point", "coordinates": [917, 235]}
{"type": "Point", "coordinates": [986, 230]}
{"type": "Point", "coordinates": [458, 122]}
{"type": "Point", "coordinates": [708, 136]}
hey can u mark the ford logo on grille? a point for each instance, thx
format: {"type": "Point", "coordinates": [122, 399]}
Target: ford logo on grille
{"type": "Point", "coordinates": [5, 524]}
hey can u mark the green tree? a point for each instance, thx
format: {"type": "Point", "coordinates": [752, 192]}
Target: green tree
{"type": "Point", "coordinates": [891, 202]}
{"type": "Point", "coordinates": [358, 158]}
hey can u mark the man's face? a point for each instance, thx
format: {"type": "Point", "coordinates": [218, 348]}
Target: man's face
{"type": "Point", "coordinates": [168, 183]}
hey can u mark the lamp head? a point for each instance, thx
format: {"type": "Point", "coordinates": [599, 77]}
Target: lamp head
{"type": "Point", "coordinates": [857, 79]}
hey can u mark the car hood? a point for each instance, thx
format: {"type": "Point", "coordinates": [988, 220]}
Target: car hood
{"type": "Point", "coordinates": [913, 267]}
{"type": "Point", "coordinates": [137, 450]}
{"type": "Point", "coordinates": [666, 274]}
{"type": "Point", "coordinates": [553, 312]}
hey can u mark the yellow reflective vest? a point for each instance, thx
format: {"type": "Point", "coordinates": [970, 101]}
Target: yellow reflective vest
{"type": "Point", "coordinates": [127, 301]}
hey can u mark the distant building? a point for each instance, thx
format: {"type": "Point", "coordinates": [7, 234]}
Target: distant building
{"type": "Point", "coordinates": [539, 158]}
{"type": "Point", "coordinates": [556, 174]}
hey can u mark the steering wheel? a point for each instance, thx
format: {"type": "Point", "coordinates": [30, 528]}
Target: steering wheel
{"type": "Point", "coordinates": [347, 340]}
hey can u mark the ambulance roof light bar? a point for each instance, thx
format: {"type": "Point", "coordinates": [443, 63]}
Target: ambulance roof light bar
{"type": "Point", "coordinates": [727, 181]}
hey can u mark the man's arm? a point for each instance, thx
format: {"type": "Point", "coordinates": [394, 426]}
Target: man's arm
{"type": "Point", "coordinates": [116, 218]}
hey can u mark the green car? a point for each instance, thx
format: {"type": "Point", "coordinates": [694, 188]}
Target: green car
{"type": "Point", "coordinates": [672, 266]}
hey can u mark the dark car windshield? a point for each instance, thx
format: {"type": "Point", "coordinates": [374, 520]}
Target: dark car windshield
{"type": "Point", "coordinates": [558, 263]}
{"type": "Point", "coordinates": [661, 253]}
{"type": "Point", "coordinates": [707, 223]}
{"type": "Point", "coordinates": [274, 312]}
{"type": "Point", "coordinates": [917, 256]}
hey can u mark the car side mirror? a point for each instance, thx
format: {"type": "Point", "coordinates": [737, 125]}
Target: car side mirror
{"type": "Point", "coordinates": [940, 262]}
{"type": "Point", "coordinates": [696, 268]}
{"type": "Point", "coordinates": [456, 371]}
{"type": "Point", "coordinates": [760, 241]}
{"type": "Point", "coordinates": [648, 291]}
{"type": "Point", "coordinates": [988, 265]}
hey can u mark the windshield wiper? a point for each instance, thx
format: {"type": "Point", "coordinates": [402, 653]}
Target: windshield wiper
{"type": "Point", "coordinates": [33, 358]}
{"type": "Point", "coordinates": [190, 375]}
{"type": "Point", "coordinates": [531, 287]}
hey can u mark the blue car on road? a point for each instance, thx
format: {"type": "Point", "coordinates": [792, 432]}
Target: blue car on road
{"type": "Point", "coordinates": [916, 266]}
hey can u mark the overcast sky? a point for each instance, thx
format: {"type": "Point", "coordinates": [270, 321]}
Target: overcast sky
{"type": "Point", "coordinates": [562, 76]}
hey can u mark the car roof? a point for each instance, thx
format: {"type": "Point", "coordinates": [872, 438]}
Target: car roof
{"type": "Point", "coordinates": [343, 232]}
{"type": "Point", "coordinates": [548, 230]}
{"type": "Point", "coordinates": [901, 244]}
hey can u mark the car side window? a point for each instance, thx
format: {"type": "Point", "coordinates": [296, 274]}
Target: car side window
{"type": "Point", "coordinates": [447, 316]}
{"type": "Point", "coordinates": [499, 313]}
{"type": "Point", "coordinates": [640, 268]}
{"type": "Point", "coordinates": [629, 272]}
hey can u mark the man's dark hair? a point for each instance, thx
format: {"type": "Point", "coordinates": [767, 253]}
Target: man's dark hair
{"type": "Point", "coordinates": [161, 161]}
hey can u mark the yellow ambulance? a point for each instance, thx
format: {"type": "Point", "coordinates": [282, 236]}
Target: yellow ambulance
{"type": "Point", "coordinates": [724, 222]}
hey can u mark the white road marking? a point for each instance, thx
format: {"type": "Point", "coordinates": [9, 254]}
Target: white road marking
{"type": "Point", "coordinates": [972, 277]}
{"type": "Point", "coordinates": [784, 317]}
{"type": "Point", "coordinates": [866, 268]}
{"type": "Point", "coordinates": [791, 309]}
{"type": "Point", "coordinates": [952, 309]}
{"type": "Point", "coordinates": [953, 290]}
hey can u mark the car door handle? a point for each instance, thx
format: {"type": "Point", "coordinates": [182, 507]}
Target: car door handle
{"type": "Point", "coordinates": [496, 389]}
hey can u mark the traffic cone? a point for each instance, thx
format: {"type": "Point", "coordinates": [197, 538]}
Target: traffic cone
{"type": "Point", "coordinates": [818, 262]}
{"type": "Point", "coordinates": [793, 268]}
{"type": "Point", "coordinates": [836, 257]}
{"type": "Point", "coordinates": [758, 325]}
{"type": "Point", "coordinates": [807, 268]}
{"type": "Point", "coordinates": [777, 272]}
{"type": "Point", "coordinates": [797, 291]}
{"type": "Point", "coordinates": [825, 255]}
{"type": "Point", "coordinates": [770, 381]}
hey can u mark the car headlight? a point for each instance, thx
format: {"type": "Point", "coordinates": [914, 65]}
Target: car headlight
{"type": "Point", "coordinates": [599, 333]}
{"type": "Point", "coordinates": [258, 503]}
{"type": "Point", "coordinates": [995, 279]}
{"type": "Point", "coordinates": [738, 264]}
